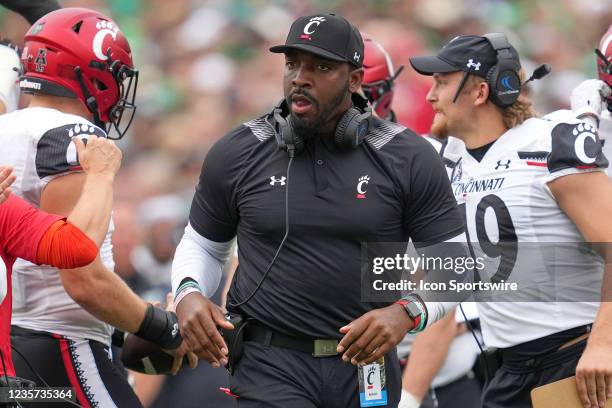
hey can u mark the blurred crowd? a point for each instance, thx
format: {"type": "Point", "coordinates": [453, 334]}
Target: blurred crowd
{"type": "Point", "coordinates": [205, 68]}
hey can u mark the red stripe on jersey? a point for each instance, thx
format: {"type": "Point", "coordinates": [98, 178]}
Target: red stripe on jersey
{"type": "Point", "coordinates": [533, 163]}
{"type": "Point", "coordinates": [72, 377]}
{"type": "Point", "coordinates": [592, 166]}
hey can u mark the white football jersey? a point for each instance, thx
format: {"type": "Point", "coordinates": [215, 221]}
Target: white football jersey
{"type": "Point", "coordinates": [37, 143]}
{"type": "Point", "coordinates": [505, 198]}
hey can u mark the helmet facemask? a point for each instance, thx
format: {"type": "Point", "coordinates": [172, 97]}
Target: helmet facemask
{"type": "Point", "coordinates": [381, 92]}
{"type": "Point", "coordinates": [127, 97]}
{"type": "Point", "coordinates": [604, 61]}
{"type": "Point", "coordinates": [121, 74]}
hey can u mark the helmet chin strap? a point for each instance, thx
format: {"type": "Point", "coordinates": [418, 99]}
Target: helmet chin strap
{"type": "Point", "coordinates": [90, 100]}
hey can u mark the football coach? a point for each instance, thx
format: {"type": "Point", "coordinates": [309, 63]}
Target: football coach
{"type": "Point", "coordinates": [302, 187]}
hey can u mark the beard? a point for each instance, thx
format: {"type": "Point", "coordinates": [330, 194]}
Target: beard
{"type": "Point", "coordinates": [439, 129]}
{"type": "Point", "coordinates": [308, 128]}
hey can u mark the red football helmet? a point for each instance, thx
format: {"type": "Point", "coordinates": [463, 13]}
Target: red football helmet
{"type": "Point", "coordinates": [604, 60]}
{"type": "Point", "coordinates": [80, 53]}
{"type": "Point", "coordinates": [378, 77]}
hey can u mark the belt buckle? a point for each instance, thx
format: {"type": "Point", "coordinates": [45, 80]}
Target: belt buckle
{"type": "Point", "coordinates": [325, 348]}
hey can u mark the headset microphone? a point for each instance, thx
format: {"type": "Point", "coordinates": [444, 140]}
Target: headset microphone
{"type": "Point", "coordinates": [539, 73]}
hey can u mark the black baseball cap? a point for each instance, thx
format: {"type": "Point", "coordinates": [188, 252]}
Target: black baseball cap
{"type": "Point", "coordinates": [468, 53]}
{"type": "Point", "coordinates": [327, 35]}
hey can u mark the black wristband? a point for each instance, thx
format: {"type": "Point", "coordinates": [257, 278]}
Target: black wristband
{"type": "Point", "coordinates": [118, 338]}
{"type": "Point", "coordinates": [160, 327]}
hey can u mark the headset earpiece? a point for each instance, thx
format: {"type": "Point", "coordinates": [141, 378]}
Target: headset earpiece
{"type": "Point", "coordinates": [503, 78]}
{"type": "Point", "coordinates": [348, 120]}
{"type": "Point", "coordinates": [354, 125]}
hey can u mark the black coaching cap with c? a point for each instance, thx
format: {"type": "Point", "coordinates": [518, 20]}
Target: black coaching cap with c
{"type": "Point", "coordinates": [327, 35]}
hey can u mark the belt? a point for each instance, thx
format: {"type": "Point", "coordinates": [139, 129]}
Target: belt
{"type": "Point", "coordinates": [259, 333]}
{"type": "Point", "coordinates": [567, 351]}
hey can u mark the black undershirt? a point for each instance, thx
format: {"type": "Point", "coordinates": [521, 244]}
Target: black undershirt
{"type": "Point", "coordinates": [479, 152]}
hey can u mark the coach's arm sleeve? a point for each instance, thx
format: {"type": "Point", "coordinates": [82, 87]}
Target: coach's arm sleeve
{"type": "Point", "coordinates": [213, 220]}
{"type": "Point", "coordinates": [201, 260]}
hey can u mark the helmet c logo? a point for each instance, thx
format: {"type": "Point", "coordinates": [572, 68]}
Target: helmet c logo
{"type": "Point", "coordinates": [106, 29]}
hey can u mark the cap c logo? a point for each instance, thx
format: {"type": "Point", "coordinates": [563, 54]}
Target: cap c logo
{"type": "Point", "coordinates": [313, 21]}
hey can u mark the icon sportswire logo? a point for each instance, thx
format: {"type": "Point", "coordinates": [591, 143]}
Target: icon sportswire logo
{"type": "Point", "coordinates": [362, 186]}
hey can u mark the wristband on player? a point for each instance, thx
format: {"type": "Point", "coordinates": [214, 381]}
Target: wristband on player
{"type": "Point", "coordinates": [408, 400]}
{"type": "Point", "coordinates": [186, 287]}
{"type": "Point", "coordinates": [416, 310]}
{"type": "Point", "coordinates": [160, 327]}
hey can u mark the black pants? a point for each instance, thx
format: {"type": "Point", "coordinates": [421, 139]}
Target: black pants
{"type": "Point", "coordinates": [274, 377]}
{"type": "Point", "coordinates": [464, 392]}
{"type": "Point", "coordinates": [511, 385]}
{"type": "Point", "coordinates": [83, 365]}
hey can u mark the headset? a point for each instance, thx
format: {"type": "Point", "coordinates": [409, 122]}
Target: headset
{"type": "Point", "coordinates": [350, 131]}
{"type": "Point", "coordinates": [503, 78]}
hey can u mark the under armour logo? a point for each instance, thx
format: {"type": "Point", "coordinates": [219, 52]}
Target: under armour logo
{"type": "Point", "coordinates": [505, 165]}
{"type": "Point", "coordinates": [356, 57]}
{"type": "Point", "coordinates": [274, 180]}
{"type": "Point", "coordinates": [471, 64]}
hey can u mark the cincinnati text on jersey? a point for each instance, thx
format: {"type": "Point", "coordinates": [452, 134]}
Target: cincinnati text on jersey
{"type": "Point", "coordinates": [476, 186]}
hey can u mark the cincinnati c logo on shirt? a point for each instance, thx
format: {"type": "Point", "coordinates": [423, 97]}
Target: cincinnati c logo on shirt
{"type": "Point", "coordinates": [362, 186]}
{"type": "Point", "coordinates": [311, 27]}
{"type": "Point", "coordinates": [105, 28]}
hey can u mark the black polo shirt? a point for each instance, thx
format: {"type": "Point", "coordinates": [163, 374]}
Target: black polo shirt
{"type": "Point", "coordinates": [391, 188]}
